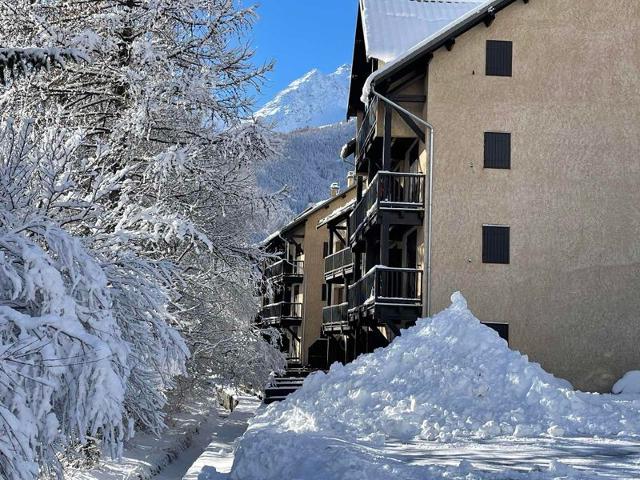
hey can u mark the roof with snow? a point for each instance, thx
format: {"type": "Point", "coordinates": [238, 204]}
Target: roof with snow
{"type": "Point", "coordinates": [302, 217]}
{"type": "Point", "coordinates": [391, 27]}
{"type": "Point", "coordinates": [482, 12]}
{"type": "Point", "coordinates": [416, 56]}
{"type": "Point", "coordinates": [341, 212]}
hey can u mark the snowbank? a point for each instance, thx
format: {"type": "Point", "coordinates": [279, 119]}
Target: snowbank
{"type": "Point", "coordinates": [448, 378]}
{"type": "Point", "coordinates": [629, 384]}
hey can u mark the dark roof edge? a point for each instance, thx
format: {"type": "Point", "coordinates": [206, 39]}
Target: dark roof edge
{"type": "Point", "coordinates": [485, 13]}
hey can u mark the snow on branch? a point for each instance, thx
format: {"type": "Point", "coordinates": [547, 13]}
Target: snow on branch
{"type": "Point", "coordinates": [87, 346]}
{"type": "Point", "coordinates": [20, 61]}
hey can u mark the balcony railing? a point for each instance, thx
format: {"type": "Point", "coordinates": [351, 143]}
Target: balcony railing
{"type": "Point", "coordinates": [282, 310]}
{"type": "Point", "coordinates": [389, 191]}
{"type": "Point", "coordinates": [335, 314]}
{"type": "Point", "coordinates": [338, 262]}
{"type": "Point", "coordinates": [384, 285]}
{"type": "Point", "coordinates": [368, 127]}
{"type": "Point", "coordinates": [285, 267]}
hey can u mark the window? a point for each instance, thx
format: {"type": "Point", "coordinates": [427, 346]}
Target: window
{"type": "Point", "coordinates": [495, 244]}
{"type": "Point", "coordinates": [325, 249]}
{"type": "Point", "coordinates": [324, 292]}
{"type": "Point", "coordinates": [499, 58]}
{"type": "Point", "coordinates": [501, 328]}
{"type": "Point", "coordinates": [497, 150]}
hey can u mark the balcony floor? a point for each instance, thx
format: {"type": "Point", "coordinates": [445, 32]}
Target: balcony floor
{"type": "Point", "coordinates": [399, 218]}
{"type": "Point", "coordinates": [337, 327]}
{"type": "Point", "coordinates": [282, 322]}
{"type": "Point", "coordinates": [339, 276]}
{"type": "Point", "coordinates": [287, 279]}
{"type": "Point", "coordinates": [397, 313]}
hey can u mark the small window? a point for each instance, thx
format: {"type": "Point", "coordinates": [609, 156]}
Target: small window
{"type": "Point", "coordinates": [495, 244]}
{"type": "Point", "coordinates": [501, 328]}
{"type": "Point", "coordinates": [497, 150]}
{"type": "Point", "coordinates": [325, 249]}
{"type": "Point", "coordinates": [324, 292]}
{"type": "Point", "coordinates": [499, 58]}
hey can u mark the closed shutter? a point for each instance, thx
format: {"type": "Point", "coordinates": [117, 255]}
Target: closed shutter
{"type": "Point", "coordinates": [495, 244]}
{"type": "Point", "coordinates": [497, 150]}
{"type": "Point", "coordinates": [499, 58]}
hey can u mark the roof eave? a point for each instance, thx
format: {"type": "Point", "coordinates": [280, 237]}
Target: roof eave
{"type": "Point", "coordinates": [485, 13]}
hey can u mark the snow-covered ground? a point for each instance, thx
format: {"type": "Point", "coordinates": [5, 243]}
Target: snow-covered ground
{"type": "Point", "coordinates": [447, 399]}
{"type": "Point", "coordinates": [199, 440]}
{"type": "Point", "coordinates": [214, 448]}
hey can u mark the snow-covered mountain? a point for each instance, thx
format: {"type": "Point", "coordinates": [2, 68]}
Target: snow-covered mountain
{"type": "Point", "coordinates": [315, 100]}
{"type": "Point", "coordinates": [309, 115]}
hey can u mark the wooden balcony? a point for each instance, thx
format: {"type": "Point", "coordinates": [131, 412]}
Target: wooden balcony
{"type": "Point", "coordinates": [386, 295]}
{"type": "Point", "coordinates": [285, 271]}
{"type": "Point", "coordinates": [392, 198]}
{"type": "Point", "coordinates": [338, 266]}
{"type": "Point", "coordinates": [335, 318]}
{"type": "Point", "coordinates": [282, 314]}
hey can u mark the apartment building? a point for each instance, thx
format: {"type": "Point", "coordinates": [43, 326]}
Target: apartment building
{"type": "Point", "coordinates": [498, 153]}
{"type": "Point", "coordinates": [295, 291]}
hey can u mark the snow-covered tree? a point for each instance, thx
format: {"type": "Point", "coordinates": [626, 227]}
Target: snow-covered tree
{"type": "Point", "coordinates": [86, 343]}
{"type": "Point", "coordinates": [142, 158]}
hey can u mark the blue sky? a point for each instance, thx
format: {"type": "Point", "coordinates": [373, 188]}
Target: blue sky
{"type": "Point", "coordinates": [301, 35]}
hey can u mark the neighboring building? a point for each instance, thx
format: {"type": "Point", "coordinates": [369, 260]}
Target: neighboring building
{"type": "Point", "coordinates": [531, 208]}
{"type": "Point", "coordinates": [295, 291]}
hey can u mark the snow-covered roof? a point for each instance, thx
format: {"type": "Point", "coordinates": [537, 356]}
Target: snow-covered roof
{"type": "Point", "coordinates": [474, 14]}
{"type": "Point", "coordinates": [348, 207]}
{"type": "Point", "coordinates": [391, 27]}
{"type": "Point", "coordinates": [302, 217]}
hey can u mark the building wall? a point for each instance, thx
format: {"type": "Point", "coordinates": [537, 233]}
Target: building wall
{"type": "Point", "coordinates": [572, 197]}
{"type": "Point", "coordinates": [314, 239]}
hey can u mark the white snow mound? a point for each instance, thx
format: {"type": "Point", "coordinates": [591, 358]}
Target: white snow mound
{"type": "Point", "coordinates": [447, 378]}
{"type": "Point", "coordinates": [629, 384]}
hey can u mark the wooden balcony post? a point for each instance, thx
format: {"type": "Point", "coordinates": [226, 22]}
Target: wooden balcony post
{"type": "Point", "coordinates": [386, 141]}
{"type": "Point", "coordinates": [384, 244]}
{"type": "Point", "coordinates": [331, 239]}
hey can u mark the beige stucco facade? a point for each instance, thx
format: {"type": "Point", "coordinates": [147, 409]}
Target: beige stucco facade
{"type": "Point", "coordinates": [314, 239]}
{"type": "Point", "coordinates": [571, 294]}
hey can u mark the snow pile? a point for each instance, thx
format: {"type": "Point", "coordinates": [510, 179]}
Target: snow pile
{"type": "Point", "coordinates": [447, 378]}
{"type": "Point", "coordinates": [629, 384]}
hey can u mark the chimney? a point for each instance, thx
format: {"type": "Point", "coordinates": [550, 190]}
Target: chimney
{"type": "Point", "coordinates": [351, 179]}
{"type": "Point", "coordinates": [335, 188]}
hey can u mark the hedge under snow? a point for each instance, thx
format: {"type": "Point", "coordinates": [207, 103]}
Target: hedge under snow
{"type": "Point", "coordinates": [447, 378]}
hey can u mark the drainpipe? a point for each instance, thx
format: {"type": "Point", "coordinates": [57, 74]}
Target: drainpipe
{"type": "Point", "coordinates": [426, 282]}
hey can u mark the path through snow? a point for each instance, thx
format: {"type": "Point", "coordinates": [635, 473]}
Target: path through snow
{"type": "Point", "coordinates": [200, 439]}
{"type": "Point", "coordinates": [211, 455]}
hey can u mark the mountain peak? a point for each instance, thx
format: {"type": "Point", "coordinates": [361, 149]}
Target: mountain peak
{"type": "Point", "coordinates": [313, 100]}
